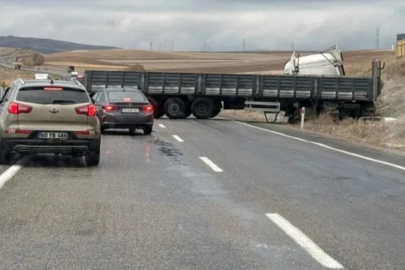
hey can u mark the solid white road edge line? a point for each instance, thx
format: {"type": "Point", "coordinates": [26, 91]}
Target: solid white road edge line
{"type": "Point", "coordinates": [313, 249]}
{"type": "Point", "coordinates": [162, 126]}
{"type": "Point", "coordinates": [325, 146]}
{"type": "Point", "coordinates": [10, 172]}
{"type": "Point", "coordinates": [178, 138]}
{"type": "Point", "coordinates": [211, 164]}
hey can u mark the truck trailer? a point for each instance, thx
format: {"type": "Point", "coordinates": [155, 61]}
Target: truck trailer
{"type": "Point", "coordinates": [178, 95]}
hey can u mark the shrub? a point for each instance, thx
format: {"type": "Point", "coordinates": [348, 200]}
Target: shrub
{"type": "Point", "coordinates": [136, 67]}
{"type": "Point", "coordinates": [34, 60]}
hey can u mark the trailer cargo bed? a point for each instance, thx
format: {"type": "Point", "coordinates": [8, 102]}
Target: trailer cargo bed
{"type": "Point", "coordinates": [292, 92]}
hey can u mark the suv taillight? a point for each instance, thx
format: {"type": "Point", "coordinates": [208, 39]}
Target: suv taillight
{"type": "Point", "coordinates": [17, 108]}
{"type": "Point", "coordinates": [89, 110]}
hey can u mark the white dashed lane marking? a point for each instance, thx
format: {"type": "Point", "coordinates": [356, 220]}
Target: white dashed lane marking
{"type": "Point", "coordinates": [178, 138]}
{"type": "Point", "coordinates": [211, 164]}
{"type": "Point", "coordinates": [10, 172]}
{"type": "Point", "coordinates": [304, 241]}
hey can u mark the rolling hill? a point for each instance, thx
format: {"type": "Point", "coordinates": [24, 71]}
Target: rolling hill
{"type": "Point", "coordinates": [46, 45]}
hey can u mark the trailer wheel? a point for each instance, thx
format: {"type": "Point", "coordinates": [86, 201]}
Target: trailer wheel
{"type": "Point", "coordinates": [218, 108]}
{"type": "Point", "coordinates": [203, 108]}
{"type": "Point", "coordinates": [216, 112]}
{"type": "Point", "coordinates": [175, 108]}
{"type": "Point", "coordinates": [188, 111]}
{"type": "Point", "coordinates": [157, 110]}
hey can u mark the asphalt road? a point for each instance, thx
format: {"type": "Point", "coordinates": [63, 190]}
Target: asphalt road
{"type": "Point", "coordinates": [199, 200]}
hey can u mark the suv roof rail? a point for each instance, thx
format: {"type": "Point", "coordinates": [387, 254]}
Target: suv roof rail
{"type": "Point", "coordinates": [21, 81]}
{"type": "Point", "coordinates": [78, 83]}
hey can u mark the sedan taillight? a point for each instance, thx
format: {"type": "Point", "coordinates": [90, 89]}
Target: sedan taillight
{"type": "Point", "coordinates": [109, 108]}
{"type": "Point", "coordinates": [148, 108]}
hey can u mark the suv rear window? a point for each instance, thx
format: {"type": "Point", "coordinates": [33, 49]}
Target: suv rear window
{"type": "Point", "coordinates": [41, 96]}
{"type": "Point", "coordinates": [119, 96]}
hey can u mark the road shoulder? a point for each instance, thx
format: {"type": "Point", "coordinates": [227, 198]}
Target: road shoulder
{"type": "Point", "coordinates": [374, 152]}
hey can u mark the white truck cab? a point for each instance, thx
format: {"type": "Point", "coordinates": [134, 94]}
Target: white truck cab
{"type": "Point", "coordinates": [327, 63]}
{"type": "Point", "coordinates": [41, 76]}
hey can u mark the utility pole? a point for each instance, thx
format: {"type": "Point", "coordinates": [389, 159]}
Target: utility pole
{"type": "Point", "coordinates": [150, 46]}
{"type": "Point", "coordinates": [208, 47]}
{"type": "Point", "coordinates": [244, 45]}
{"type": "Point", "coordinates": [205, 46]}
{"type": "Point", "coordinates": [160, 46]}
{"type": "Point", "coordinates": [172, 45]}
{"type": "Point", "coordinates": [377, 40]}
{"type": "Point", "coordinates": [292, 46]}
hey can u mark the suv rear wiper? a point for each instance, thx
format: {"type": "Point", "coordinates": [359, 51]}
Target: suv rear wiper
{"type": "Point", "coordinates": [63, 101]}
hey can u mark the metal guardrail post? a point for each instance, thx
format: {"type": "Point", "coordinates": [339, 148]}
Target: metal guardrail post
{"type": "Point", "coordinates": [302, 117]}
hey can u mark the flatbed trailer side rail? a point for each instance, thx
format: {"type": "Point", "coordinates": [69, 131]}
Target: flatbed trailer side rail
{"type": "Point", "coordinates": [342, 88]}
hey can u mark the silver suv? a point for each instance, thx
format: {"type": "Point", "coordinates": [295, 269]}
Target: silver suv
{"type": "Point", "coordinates": [46, 116]}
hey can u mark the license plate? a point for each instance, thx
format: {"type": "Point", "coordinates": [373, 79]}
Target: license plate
{"type": "Point", "coordinates": [53, 135]}
{"type": "Point", "coordinates": [132, 110]}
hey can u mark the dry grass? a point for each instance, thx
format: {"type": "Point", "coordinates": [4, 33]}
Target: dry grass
{"type": "Point", "coordinates": [7, 76]}
{"type": "Point", "coordinates": [356, 62]}
{"type": "Point", "coordinates": [136, 67]}
{"type": "Point", "coordinates": [384, 134]}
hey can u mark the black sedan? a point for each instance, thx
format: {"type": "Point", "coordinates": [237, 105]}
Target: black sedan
{"type": "Point", "coordinates": [121, 108]}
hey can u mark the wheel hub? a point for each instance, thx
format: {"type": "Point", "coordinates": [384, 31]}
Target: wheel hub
{"type": "Point", "coordinates": [174, 108]}
{"type": "Point", "coordinates": [202, 108]}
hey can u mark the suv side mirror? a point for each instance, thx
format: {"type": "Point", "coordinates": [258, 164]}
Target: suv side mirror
{"type": "Point", "coordinates": [93, 101]}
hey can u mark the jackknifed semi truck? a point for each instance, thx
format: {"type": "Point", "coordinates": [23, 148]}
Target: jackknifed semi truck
{"type": "Point", "coordinates": [178, 95]}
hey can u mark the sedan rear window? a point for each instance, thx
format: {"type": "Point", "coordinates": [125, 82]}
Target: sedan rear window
{"type": "Point", "coordinates": [52, 95]}
{"type": "Point", "coordinates": [127, 96]}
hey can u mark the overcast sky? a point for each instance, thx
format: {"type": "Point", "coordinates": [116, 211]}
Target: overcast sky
{"type": "Point", "coordinates": [265, 24]}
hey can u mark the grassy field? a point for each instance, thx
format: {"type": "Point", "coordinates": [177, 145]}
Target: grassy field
{"type": "Point", "coordinates": [356, 62]}
{"type": "Point", "coordinates": [9, 75]}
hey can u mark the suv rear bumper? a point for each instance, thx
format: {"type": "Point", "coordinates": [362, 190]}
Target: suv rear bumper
{"type": "Point", "coordinates": [39, 146]}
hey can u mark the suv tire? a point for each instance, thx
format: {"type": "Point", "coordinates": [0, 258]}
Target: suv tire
{"type": "Point", "coordinates": [5, 156]}
{"type": "Point", "coordinates": [92, 157]}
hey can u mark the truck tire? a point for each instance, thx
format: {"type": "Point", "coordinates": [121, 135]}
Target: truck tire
{"type": "Point", "coordinates": [175, 108]}
{"type": "Point", "coordinates": [188, 111]}
{"type": "Point", "coordinates": [216, 112]}
{"type": "Point", "coordinates": [218, 108]}
{"type": "Point", "coordinates": [157, 110]}
{"type": "Point", "coordinates": [203, 108]}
